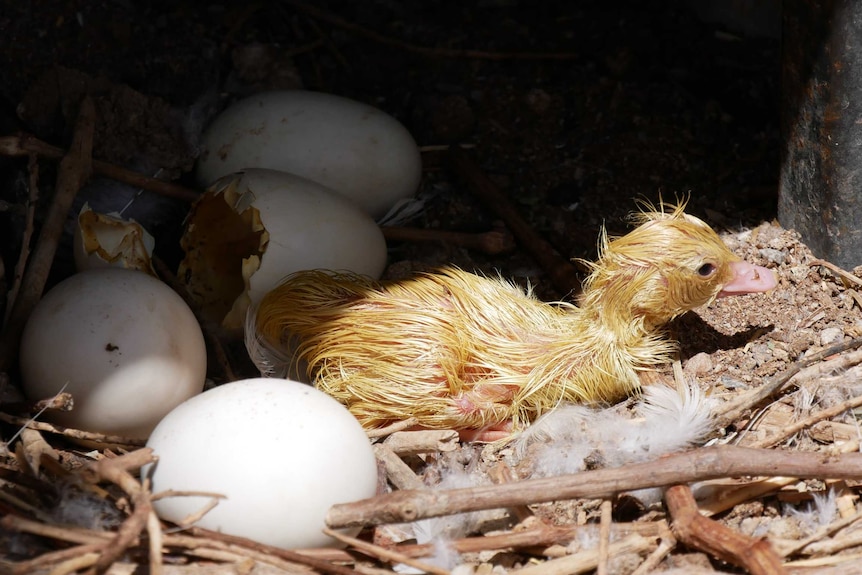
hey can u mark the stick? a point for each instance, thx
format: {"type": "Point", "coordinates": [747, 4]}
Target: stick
{"type": "Point", "coordinates": [73, 433]}
{"type": "Point", "coordinates": [24, 256]}
{"type": "Point", "coordinates": [75, 169]}
{"type": "Point", "coordinates": [234, 542]}
{"type": "Point", "coordinates": [734, 409]}
{"type": "Point", "coordinates": [586, 561]}
{"type": "Point", "coordinates": [690, 527]}
{"type": "Point", "coordinates": [494, 242]}
{"type": "Point", "coordinates": [541, 535]}
{"type": "Point", "coordinates": [604, 536]}
{"type": "Point", "coordinates": [422, 441]}
{"type": "Point", "coordinates": [696, 465]}
{"type": "Point", "coordinates": [319, 14]}
{"type": "Point", "coordinates": [385, 554]}
{"type": "Point", "coordinates": [562, 273]}
{"type": "Point", "coordinates": [666, 544]}
{"type": "Point", "coordinates": [798, 426]}
{"type": "Point", "coordinates": [24, 144]}
{"type": "Point", "coordinates": [143, 517]}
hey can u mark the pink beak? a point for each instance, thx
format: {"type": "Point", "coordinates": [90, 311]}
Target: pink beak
{"type": "Point", "coordinates": [749, 278]}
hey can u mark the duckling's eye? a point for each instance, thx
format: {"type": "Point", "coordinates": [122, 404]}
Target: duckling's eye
{"type": "Point", "coordinates": [706, 270]}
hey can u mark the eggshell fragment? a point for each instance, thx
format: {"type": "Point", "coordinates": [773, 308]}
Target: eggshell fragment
{"type": "Point", "coordinates": [102, 240]}
{"type": "Point", "coordinates": [124, 344]}
{"type": "Point", "coordinates": [355, 149]}
{"type": "Point", "coordinates": [250, 230]}
{"type": "Point", "coordinates": [280, 452]}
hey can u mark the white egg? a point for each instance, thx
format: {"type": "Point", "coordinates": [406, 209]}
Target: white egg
{"type": "Point", "coordinates": [124, 344]}
{"type": "Point", "coordinates": [251, 229]}
{"type": "Point", "coordinates": [351, 147]}
{"type": "Point", "coordinates": [280, 452]}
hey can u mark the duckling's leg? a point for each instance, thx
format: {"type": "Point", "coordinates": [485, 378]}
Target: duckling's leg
{"type": "Point", "coordinates": [491, 434]}
{"type": "Point", "coordinates": [490, 402]}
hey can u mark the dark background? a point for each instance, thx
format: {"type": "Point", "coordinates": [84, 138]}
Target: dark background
{"type": "Point", "coordinates": [630, 100]}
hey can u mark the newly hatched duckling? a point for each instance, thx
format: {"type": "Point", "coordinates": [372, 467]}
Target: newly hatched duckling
{"type": "Point", "coordinates": [455, 350]}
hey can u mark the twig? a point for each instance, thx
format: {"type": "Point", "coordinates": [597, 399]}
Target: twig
{"type": "Point", "coordinates": [791, 430]}
{"type": "Point", "coordinates": [787, 548]}
{"type": "Point", "coordinates": [384, 554]}
{"type": "Point", "coordinates": [585, 560]}
{"type": "Point", "coordinates": [398, 473]}
{"type": "Point", "coordinates": [835, 545]}
{"type": "Point", "coordinates": [233, 542]}
{"type": "Point", "coordinates": [735, 408]}
{"type": "Point", "coordinates": [696, 465]}
{"type": "Point", "coordinates": [604, 536]}
{"type": "Point", "coordinates": [33, 448]}
{"type": "Point", "coordinates": [25, 144]}
{"type": "Point", "coordinates": [116, 471]}
{"type": "Point", "coordinates": [75, 535]}
{"type": "Point", "coordinates": [73, 433]}
{"type": "Point", "coordinates": [731, 496]}
{"type": "Point", "coordinates": [843, 274]}
{"type": "Point", "coordinates": [727, 498]}
{"type": "Point", "coordinates": [75, 169]}
{"type": "Point", "coordinates": [695, 530]}
{"type": "Point", "coordinates": [333, 20]}
{"type": "Point", "coordinates": [667, 543]}
{"type": "Point", "coordinates": [542, 535]}
{"type": "Point", "coordinates": [18, 502]}
{"type": "Point", "coordinates": [52, 557]}
{"type": "Point", "coordinates": [494, 242]}
{"type": "Point", "coordinates": [330, 45]}
{"type": "Point", "coordinates": [75, 564]}
{"type": "Point", "coordinates": [23, 257]}
{"type": "Point", "coordinates": [502, 473]}
{"type": "Point", "coordinates": [846, 564]}
{"type": "Point", "coordinates": [390, 429]}
{"type": "Point", "coordinates": [422, 441]}
{"type": "Point", "coordinates": [219, 548]}
{"type": "Point", "coordinates": [562, 273]}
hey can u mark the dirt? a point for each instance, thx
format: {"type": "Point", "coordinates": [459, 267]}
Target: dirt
{"type": "Point", "coordinates": [628, 102]}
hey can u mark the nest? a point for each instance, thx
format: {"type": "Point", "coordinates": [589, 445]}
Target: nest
{"type": "Point", "coordinates": [773, 488]}
{"type": "Point", "coordinates": [764, 457]}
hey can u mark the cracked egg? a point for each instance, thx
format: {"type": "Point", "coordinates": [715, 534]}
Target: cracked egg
{"type": "Point", "coordinates": [251, 229]}
{"type": "Point", "coordinates": [102, 240]}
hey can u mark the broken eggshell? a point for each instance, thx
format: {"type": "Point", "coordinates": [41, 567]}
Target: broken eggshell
{"type": "Point", "coordinates": [250, 230]}
{"type": "Point", "coordinates": [102, 240]}
{"type": "Point", "coordinates": [355, 149]}
{"type": "Point", "coordinates": [122, 343]}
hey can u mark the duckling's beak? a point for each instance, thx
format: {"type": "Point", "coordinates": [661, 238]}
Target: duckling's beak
{"type": "Point", "coordinates": [748, 278]}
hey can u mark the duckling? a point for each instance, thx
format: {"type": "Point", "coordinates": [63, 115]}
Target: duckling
{"type": "Point", "coordinates": [455, 350]}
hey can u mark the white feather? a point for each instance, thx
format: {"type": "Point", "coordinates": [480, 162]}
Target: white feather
{"type": "Point", "coordinates": [819, 512]}
{"type": "Point", "coordinates": [572, 437]}
{"type": "Point", "coordinates": [269, 358]}
{"type": "Point", "coordinates": [441, 531]}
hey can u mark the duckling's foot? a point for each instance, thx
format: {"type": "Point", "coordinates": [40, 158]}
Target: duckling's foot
{"type": "Point", "coordinates": [496, 432]}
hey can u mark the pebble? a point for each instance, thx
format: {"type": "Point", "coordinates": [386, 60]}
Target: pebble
{"type": "Point", "coordinates": [798, 274]}
{"type": "Point", "coordinates": [773, 255]}
{"type": "Point", "coordinates": [698, 364]}
{"type": "Point", "coordinates": [761, 353]}
{"type": "Point", "coordinates": [831, 335]}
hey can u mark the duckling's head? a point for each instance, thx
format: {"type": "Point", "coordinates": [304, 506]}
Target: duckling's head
{"type": "Point", "coordinates": [670, 264]}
